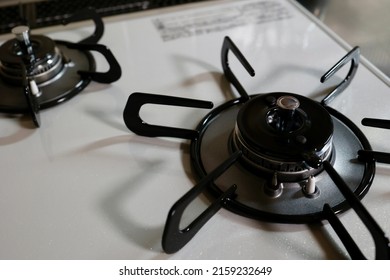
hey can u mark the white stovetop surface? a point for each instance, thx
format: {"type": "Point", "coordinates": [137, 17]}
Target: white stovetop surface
{"type": "Point", "coordinates": [84, 187]}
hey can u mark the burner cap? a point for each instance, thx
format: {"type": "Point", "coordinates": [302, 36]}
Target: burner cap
{"type": "Point", "coordinates": [277, 132]}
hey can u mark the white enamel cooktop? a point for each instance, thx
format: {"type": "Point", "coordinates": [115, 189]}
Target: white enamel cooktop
{"type": "Point", "coordinates": [84, 187]}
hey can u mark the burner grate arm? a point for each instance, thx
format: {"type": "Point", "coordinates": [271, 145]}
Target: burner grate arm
{"type": "Point", "coordinates": [88, 13]}
{"type": "Point", "coordinates": [113, 73]}
{"type": "Point", "coordinates": [354, 57]}
{"type": "Point", "coordinates": [379, 123]}
{"type": "Point", "coordinates": [368, 155]}
{"type": "Point", "coordinates": [227, 46]}
{"type": "Point", "coordinates": [133, 121]}
{"type": "Point", "coordinates": [343, 234]}
{"type": "Point", "coordinates": [382, 243]}
{"type": "Point", "coordinates": [175, 238]}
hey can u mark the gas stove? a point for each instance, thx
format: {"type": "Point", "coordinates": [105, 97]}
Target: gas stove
{"type": "Point", "coordinates": [84, 186]}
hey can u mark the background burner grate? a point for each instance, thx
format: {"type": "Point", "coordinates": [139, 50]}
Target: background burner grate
{"type": "Point", "coordinates": [48, 13]}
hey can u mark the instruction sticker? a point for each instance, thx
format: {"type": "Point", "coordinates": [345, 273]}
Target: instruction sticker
{"type": "Point", "coordinates": [216, 20]}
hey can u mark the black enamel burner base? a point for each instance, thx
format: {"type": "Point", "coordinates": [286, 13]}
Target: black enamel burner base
{"type": "Point", "coordinates": [292, 205]}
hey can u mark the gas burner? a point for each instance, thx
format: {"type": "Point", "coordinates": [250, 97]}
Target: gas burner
{"type": "Point", "coordinates": [278, 133]}
{"type": "Point", "coordinates": [37, 72]}
{"type": "Point", "coordinates": [278, 157]}
{"type": "Point", "coordinates": [285, 182]}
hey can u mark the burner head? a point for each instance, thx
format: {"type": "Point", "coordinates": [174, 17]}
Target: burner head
{"type": "Point", "coordinates": [48, 60]}
{"type": "Point", "coordinates": [281, 132]}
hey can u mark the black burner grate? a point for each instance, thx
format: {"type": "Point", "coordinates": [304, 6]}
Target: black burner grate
{"type": "Point", "coordinates": [48, 13]}
{"type": "Point", "coordinates": [268, 193]}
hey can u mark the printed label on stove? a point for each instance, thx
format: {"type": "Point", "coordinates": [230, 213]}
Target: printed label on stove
{"type": "Point", "coordinates": [216, 20]}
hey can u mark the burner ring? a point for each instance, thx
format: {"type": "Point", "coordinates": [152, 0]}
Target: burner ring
{"type": "Point", "coordinates": [293, 205]}
{"type": "Point", "coordinates": [288, 171]}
